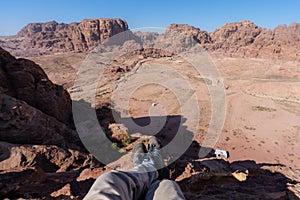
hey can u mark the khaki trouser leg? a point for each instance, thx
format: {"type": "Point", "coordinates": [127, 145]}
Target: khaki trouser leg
{"type": "Point", "coordinates": [123, 185]}
{"type": "Point", "coordinates": [164, 189]}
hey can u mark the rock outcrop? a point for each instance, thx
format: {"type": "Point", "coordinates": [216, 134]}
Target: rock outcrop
{"type": "Point", "coordinates": [74, 37]}
{"type": "Point", "coordinates": [36, 171]}
{"type": "Point", "coordinates": [234, 36]}
{"type": "Point", "coordinates": [282, 42]}
{"type": "Point", "coordinates": [40, 153]}
{"type": "Point", "coordinates": [33, 110]}
{"type": "Point", "coordinates": [245, 39]}
{"type": "Point", "coordinates": [201, 37]}
{"type": "Point", "coordinates": [25, 80]}
{"type": "Point", "coordinates": [48, 158]}
{"type": "Point", "coordinates": [24, 124]}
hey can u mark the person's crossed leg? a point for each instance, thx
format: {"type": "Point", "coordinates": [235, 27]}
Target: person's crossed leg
{"type": "Point", "coordinates": [147, 180]}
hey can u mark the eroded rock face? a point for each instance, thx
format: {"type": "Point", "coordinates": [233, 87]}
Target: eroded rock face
{"type": "Point", "coordinates": [41, 156]}
{"type": "Point", "coordinates": [202, 37]}
{"type": "Point", "coordinates": [24, 124]}
{"type": "Point", "coordinates": [25, 80]}
{"type": "Point", "coordinates": [246, 39]}
{"type": "Point", "coordinates": [33, 110]}
{"type": "Point", "coordinates": [231, 37]}
{"type": "Point", "coordinates": [78, 37]}
{"type": "Point", "coordinates": [48, 158]}
{"type": "Point", "coordinates": [282, 42]}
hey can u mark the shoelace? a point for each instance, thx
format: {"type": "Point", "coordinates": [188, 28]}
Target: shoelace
{"type": "Point", "coordinates": [155, 157]}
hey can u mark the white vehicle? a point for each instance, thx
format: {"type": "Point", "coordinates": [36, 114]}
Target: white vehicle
{"type": "Point", "coordinates": [221, 153]}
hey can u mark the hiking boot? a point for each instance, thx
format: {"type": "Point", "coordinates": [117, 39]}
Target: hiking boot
{"type": "Point", "coordinates": [154, 143]}
{"type": "Point", "coordinates": [154, 154]}
{"type": "Point", "coordinates": [139, 153]}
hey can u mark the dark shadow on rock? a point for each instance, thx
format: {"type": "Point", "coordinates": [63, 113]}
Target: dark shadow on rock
{"type": "Point", "coordinates": [262, 181]}
{"type": "Point", "coordinates": [32, 183]}
{"type": "Point", "coordinates": [172, 129]}
{"type": "Point", "coordinates": [204, 177]}
{"type": "Point", "coordinates": [92, 129]}
{"type": "Point", "coordinates": [81, 188]}
{"type": "Point", "coordinates": [4, 150]}
{"type": "Point", "coordinates": [211, 178]}
{"type": "Point", "coordinates": [182, 146]}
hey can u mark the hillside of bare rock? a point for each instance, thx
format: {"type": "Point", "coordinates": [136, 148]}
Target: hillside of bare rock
{"type": "Point", "coordinates": [201, 37]}
{"type": "Point", "coordinates": [238, 39]}
{"type": "Point", "coordinates": [246, 39]}
{"type": "Point", "coordinates": [40, 152]}
{"type": "Point", "coordinates": [25, 80]}
{"type": "Point", "coordinates": [51, 37]}
{"type": "Point", "coordinates": [234, 37]}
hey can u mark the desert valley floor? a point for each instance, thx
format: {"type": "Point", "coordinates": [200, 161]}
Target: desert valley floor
{"type": "Point", "coordinates": [262, 100]}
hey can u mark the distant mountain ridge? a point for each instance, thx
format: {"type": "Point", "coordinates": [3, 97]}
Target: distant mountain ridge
{"type": "Point", "coordinates": [238, 39]}
{"type": "Point", "coordinates": [246, 39]}
{"type": "Point", "coordinates": [44, 38]}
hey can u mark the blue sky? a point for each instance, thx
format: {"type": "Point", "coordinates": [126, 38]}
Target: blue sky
{"type": "Point", "coordinates": [206, 15]}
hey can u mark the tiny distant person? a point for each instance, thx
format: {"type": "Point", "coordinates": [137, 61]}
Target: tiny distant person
{"type": "Point", "coordinates": [147, 180]}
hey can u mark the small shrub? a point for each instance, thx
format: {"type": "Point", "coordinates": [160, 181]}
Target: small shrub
{"type": "Point", "coordinates": [261, 108]}
{"type": "Point", "coordinates": [126, 140]}
{"type": "Point", "coordinates": [250, 128]}
{"type": "Point", "coordinates": [114, 145]}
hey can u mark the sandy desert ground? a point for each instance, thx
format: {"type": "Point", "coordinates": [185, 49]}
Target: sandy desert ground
{"type": "Point", "coordinates": [262, 102]}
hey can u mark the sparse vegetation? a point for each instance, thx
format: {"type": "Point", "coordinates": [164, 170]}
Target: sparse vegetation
{"type": "Point", "coordinates": [122, 150]}
{"type": "Point", "coordinates": [126, 140]}
{"type": "Point", "coordinates": [250, 128]}
{"type": "Point", "coordinates": [237, 132]}
{"type": "Point", "coordinates": [262, 108]}
{"type": "Point", "coordinates": [114, 145]}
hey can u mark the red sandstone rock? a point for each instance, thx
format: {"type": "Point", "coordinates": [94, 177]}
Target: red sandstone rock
{"type": "Point", "coordinates": [77, 37]}
{"type": "Point", "coordinates": [25, 80]}
{"type": "Point", "coordinates": [24, 124]}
